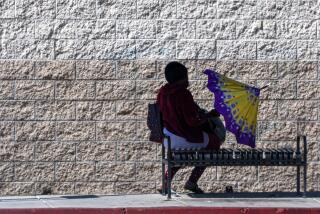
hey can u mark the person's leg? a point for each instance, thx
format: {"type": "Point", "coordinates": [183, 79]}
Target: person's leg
{"type": "Point", "coordinates": [191, 184]}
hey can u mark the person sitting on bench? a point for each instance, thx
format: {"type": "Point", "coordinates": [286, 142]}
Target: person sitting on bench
{"type": "Point", "coordinates": [187, 125]}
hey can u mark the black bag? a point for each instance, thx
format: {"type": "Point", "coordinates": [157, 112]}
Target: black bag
{"type": "Point", "coordinates": [154, 123]}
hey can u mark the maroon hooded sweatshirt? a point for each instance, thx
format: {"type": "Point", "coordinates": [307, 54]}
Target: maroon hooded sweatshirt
{"type": "Point", "coordinates": [180, 114]}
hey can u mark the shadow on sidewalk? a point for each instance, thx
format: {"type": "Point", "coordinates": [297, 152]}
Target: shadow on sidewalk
{"type": "Point", "coordinates": [255, 195]}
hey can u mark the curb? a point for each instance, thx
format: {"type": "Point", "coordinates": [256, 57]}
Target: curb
{"type": "Point", "coordinates": [165, 210]}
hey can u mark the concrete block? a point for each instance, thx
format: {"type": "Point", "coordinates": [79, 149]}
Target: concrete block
{"type": "Point", "coordinates": [75, 90]}
{"type": "Point", "coordinates": [55, 110]}
{"type": "Point", "coordinates": [68, 171]}
{"type": "Point", "coordinates": [114, 9]}
{"type": "Point", "coordinates": [76, 9]}
{"type": "Point", "coordinates": [296, 29]}
{"type": "Point", "coordinates": [130, 110]}
{"type": "Point", "coordinates": [19, 69]}
{"type": "Point", "coordinates": [309, 9]}
{"type": "Point", "coordinates": [258, 186]}
{"type": "Point", "coordinates": [310, 129]}
{"type": "Point", "coordinates": [28, 171]}
{"type": "Point", "coordinates": [156, 49]}
{"type": "Point", "coordinates": [6, 171]}
{"type": "Point", "coordinates": [143, 132]}
{"type": "Point", "coordinates": [34, 130]}
{"type": "Point", "coordinates": [148, 171]}
{"type": "Point", "coordinates": [95, 69]}
{"type": "Point", "coordinates": [278, 90]}
{"type": "Point", "coordinates": [274, 131]}
{"type": "Point", "coordinates": [75, 130]}
{"type": "Point", "coordinates": [6, 149]}
{"type": "Point", "coordinates": [7, 29]}
{"type": "Point", "coordinates": [115, 171]}
{"type": "Point", "coordinates": [313, 151]}
{"type": "Point", "coordinates": [197, 9]}
{"type": "Point", "coordinates": [105, 49]}
{"type": "Point", "coordinates": [105, 29]}
{"type": "Point", "coordinates": [300, 70]}
{"type": "Point", "coordinates": [308, 90]}
{"type": "Point", "coordinates": [96, 151]}
{"type": "Point", "coordinates": [216, 29]}
{"type": "Point", "coordinates": [94, 29]}
{"type": "Point", "coordinates": [45, 29]}
{"type": "Point", "coordinates": [136, 29]}
{"type": "Point", "coordinates": [136, 151]}
{"type": "Point", "coordinates": [64, 49]}
{"type": "Point", "coordinates": [116, 131]}
{"type": "Point", "coordinates": [95, 110]}
{"type": "Point", "coordinates": [7, 49]}
{"type": "Point", "coordinates": [34, 90]}
{"type": "Point", "coordinates": [259, 29]}
{"type": "Point", "coordinates": [54, 188]}
{"type": "Point", "coordinates": [153, 9]}
{"type": "Point", "coordinates": [51, 151]}
{"type": "Point", "coordinates": [17, 188]}
{"type": "Point", "coordinates": [266, 173]}
{"type": "Point", "coordinates": [124, 49]}
{"type": "Point", "coordinates": [308, 50]}
{"type": "Point", "coordinates": [298, 110]}
{"type": "Point", "coordinates": [227, 68]}
{"type": "Point", "coordinates": [7, 9]}
{"type": "Point", "coordinates": [30, 9]}
{"type": "Point", "coordinates": [85, 49]}
{"type": "Point", "coordinates": [252, 70]}
{"type": "Point", "coordinates": [22, 29]}
{"type": "Point", "coordinates": [237, 173]}
{"type": "Point", "coordinates": [196, 49]}
{"type": "Point", "coordinates": [147, 89]}
{"type": "Point", "coordinates": [199, 90]}
{"type": "Point", "coordinates": [34, 49]}
{"type": "Point", "coordinates": [65, 29]}
{"type": "Point", "coordinates": [138, 69]}
{"type": "Point", "coordinates": [278, 9]}
{"type": "Point", "coordinates": [277, 50]}
{"type": "Point", "coordinates": [176, 29]}
{"type": "Point", "coordinates": [115, 90]}
{"type": "Point", "coordinates": [55, 69]}
{"type": "Point", "coordinates": [232, 49]}
{"type": "Point", "coordinates": [16, 110]}
{"type": "Point", "coordinates": [229, 9]}
{"type": "Point", "coordinates": [268, 110]}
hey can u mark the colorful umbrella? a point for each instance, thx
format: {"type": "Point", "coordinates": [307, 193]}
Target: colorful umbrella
{"type": "Point", "coordinates": [238, 103]}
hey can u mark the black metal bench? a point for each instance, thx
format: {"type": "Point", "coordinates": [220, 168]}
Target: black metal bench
{"type": "Point", "coordinates": [235, 157]}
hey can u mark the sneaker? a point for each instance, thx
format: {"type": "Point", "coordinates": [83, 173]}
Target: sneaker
{"type": "Point", "coordinates": [193, 187]}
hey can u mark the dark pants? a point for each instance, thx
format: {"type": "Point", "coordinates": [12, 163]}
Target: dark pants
{"type": "Point", "coordinates": [195, 174]}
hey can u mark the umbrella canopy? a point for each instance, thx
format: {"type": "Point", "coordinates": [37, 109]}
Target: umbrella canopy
{"type": "Point", "coordinates": [238, 103]}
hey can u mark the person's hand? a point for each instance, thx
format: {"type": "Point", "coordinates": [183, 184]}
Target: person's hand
{"type": "Point", "coordinates": [214, 113]}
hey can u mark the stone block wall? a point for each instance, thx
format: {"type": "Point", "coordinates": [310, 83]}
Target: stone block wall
{"type": "Point", "coordinates": [76, 77]}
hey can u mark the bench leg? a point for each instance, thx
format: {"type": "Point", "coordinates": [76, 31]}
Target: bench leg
{"type": "Point", "coordinates": [169, 180]}
{"type": "Point", "coordinates": [298, 180]}
{"type": "Point", "coordinates": [304, 180]}
{"type": "Point", "coordinates": [163, 150]}
{"type": "Point", "coordinates": [163, 179]}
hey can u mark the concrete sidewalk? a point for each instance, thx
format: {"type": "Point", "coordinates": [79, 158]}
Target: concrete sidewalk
{"type": "Point", "coordinates": [157, 200]}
